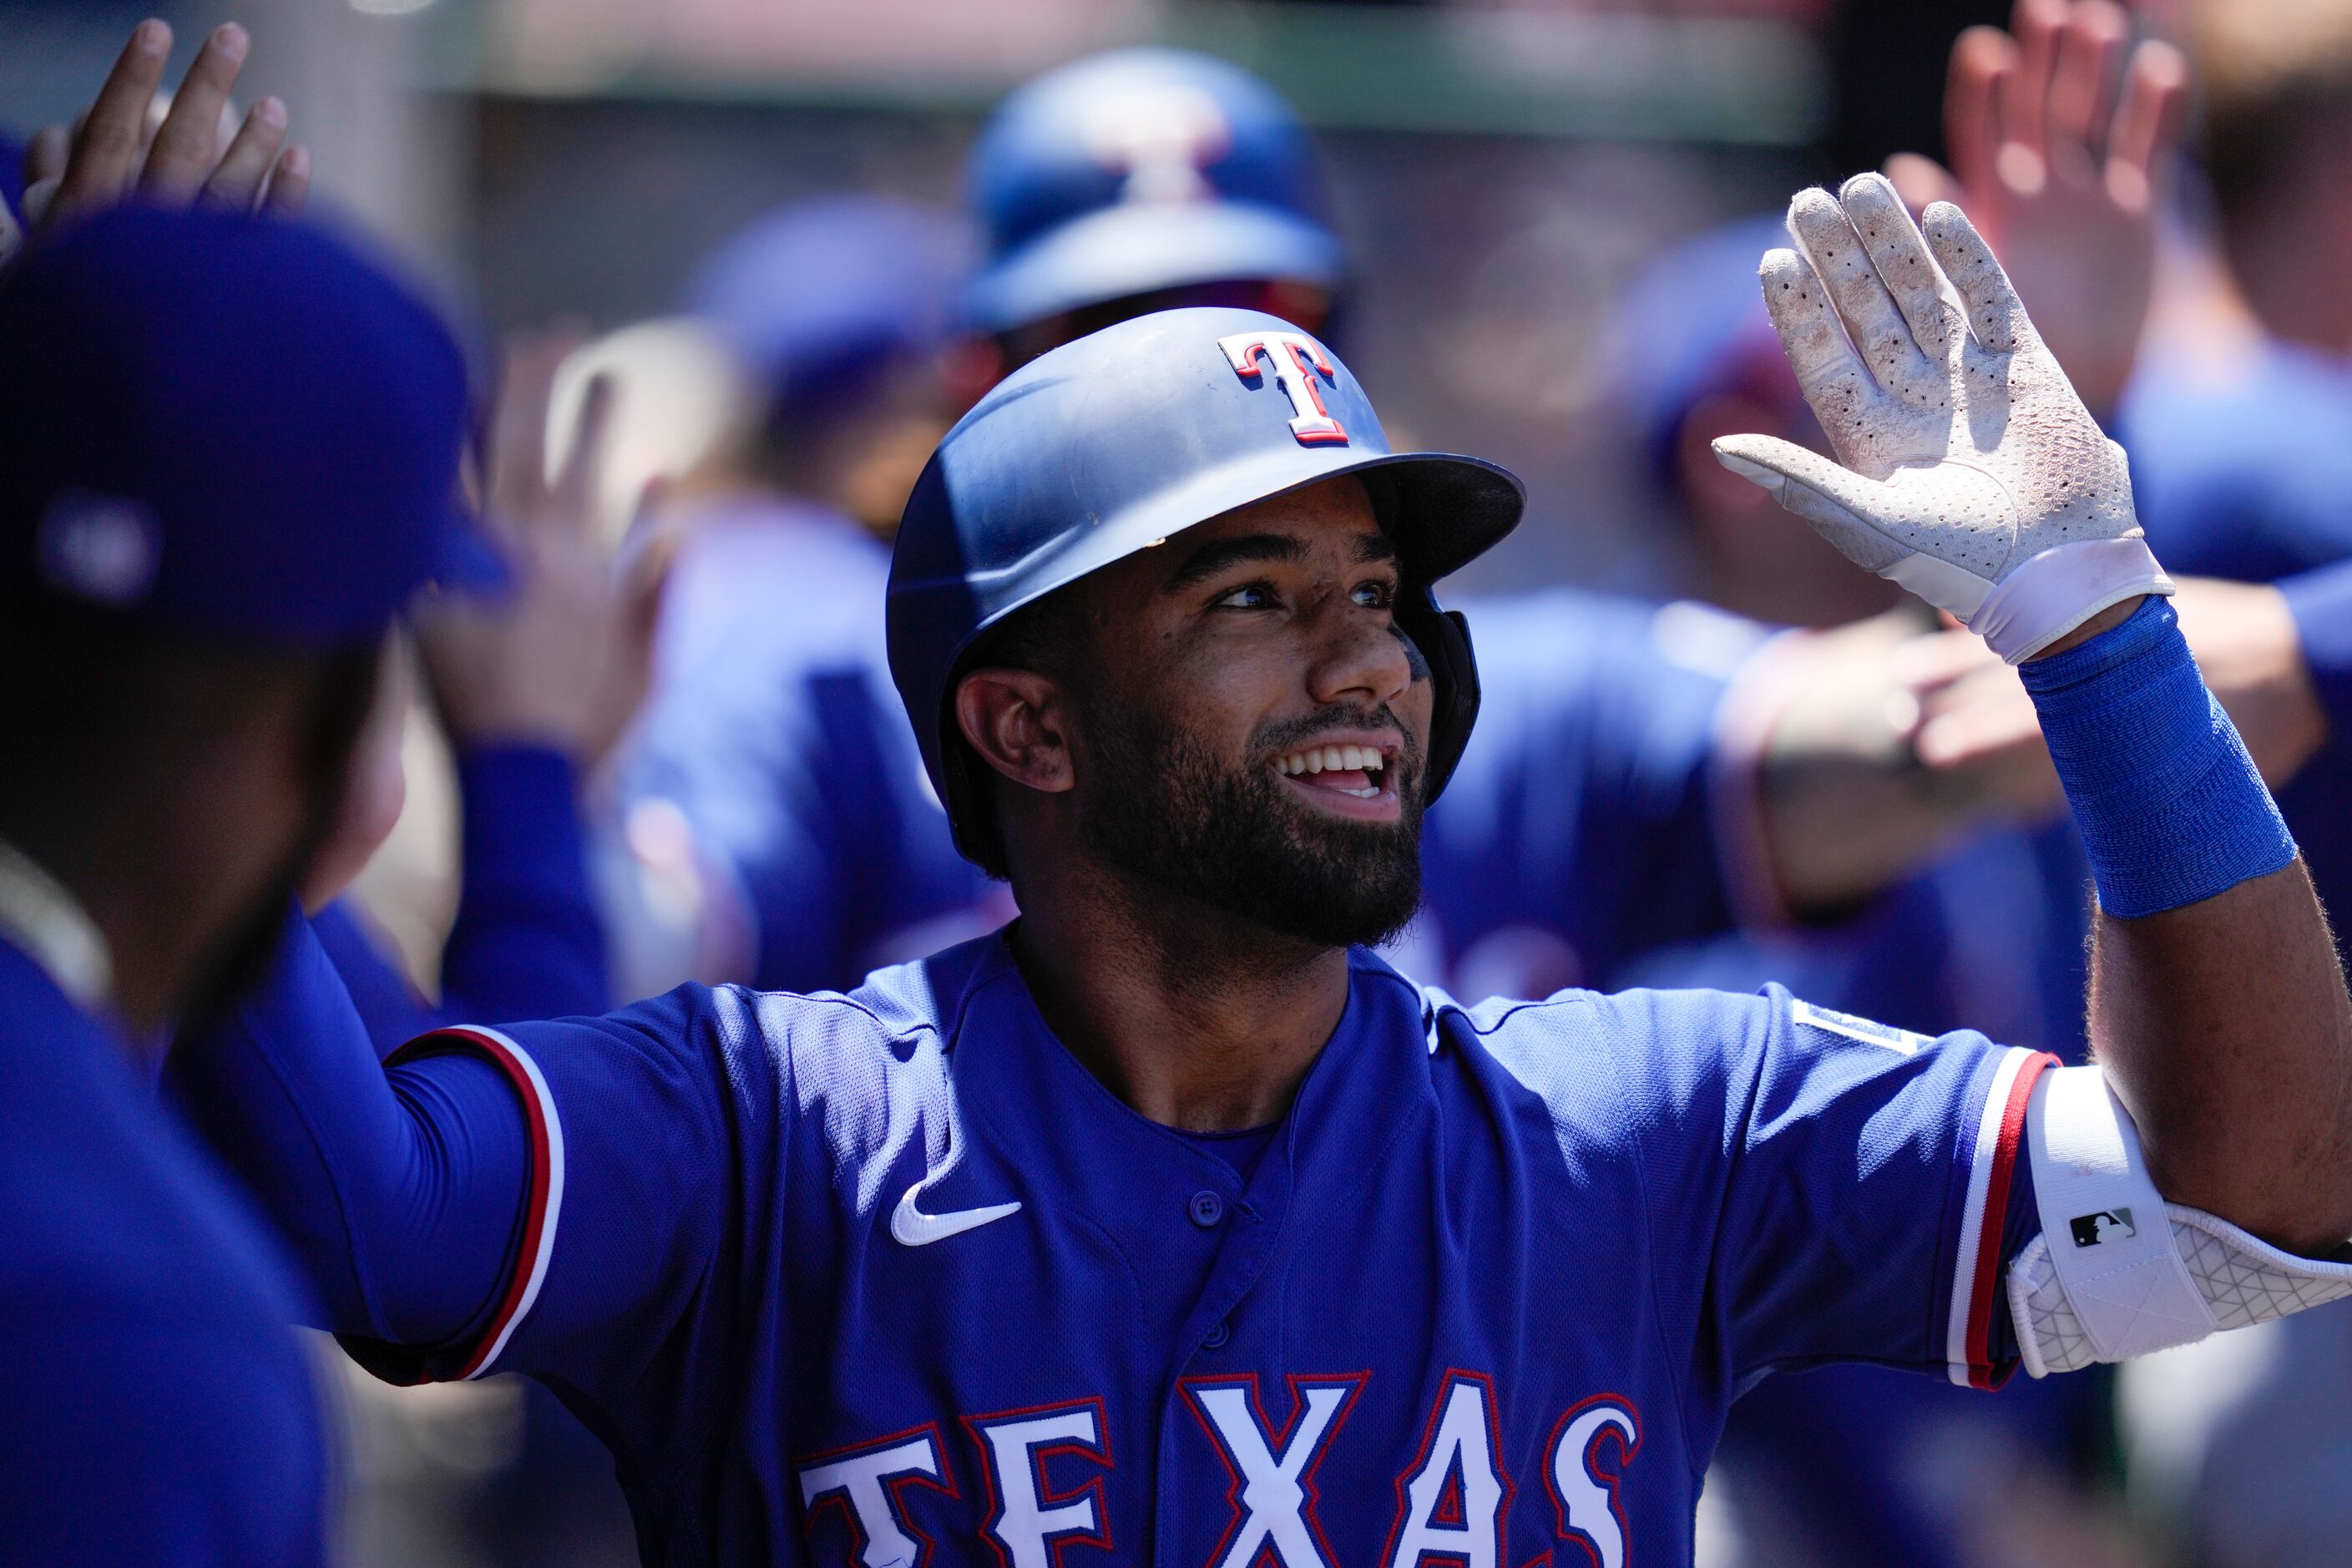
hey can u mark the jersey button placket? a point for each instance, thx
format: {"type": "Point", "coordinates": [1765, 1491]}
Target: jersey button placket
{"type": "Point", "coordinates": [1206, 1209]}
{"type": "Point", "coordinates": [1220, 1335]}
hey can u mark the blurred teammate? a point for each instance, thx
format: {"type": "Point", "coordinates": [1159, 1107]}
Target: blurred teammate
{"type": "Point", "coordinates": [770, 776]}
{"type": "Point", "coordinates": [198, 591]}
{"type": "Point", "coordinates": [1172, 1222]}
{"type": "Point", "coordinates": [534, 686]}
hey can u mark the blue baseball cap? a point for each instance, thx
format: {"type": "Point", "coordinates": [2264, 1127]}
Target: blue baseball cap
{"type": "Point", "coordinates": [818, 295]}
{"type": "Point", "coordinates": [1139, 171]}
{"type": "Point", "coordinates": [1691, 324]}
{"type": "Point", "coordinates": [229, 424]}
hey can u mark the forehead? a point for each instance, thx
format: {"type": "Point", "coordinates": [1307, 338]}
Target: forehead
{"type": "Point", "coordinates": [1338, 511]}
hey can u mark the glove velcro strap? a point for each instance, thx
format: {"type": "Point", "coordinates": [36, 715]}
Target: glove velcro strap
{"type": "Point", "coordinates": [2058, 590]}
{"type": "Point", "coordinates": [2116, 1271]}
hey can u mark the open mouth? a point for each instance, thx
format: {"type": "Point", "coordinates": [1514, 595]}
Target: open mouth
{"type": "Point", "coordinates": [1359, 773]}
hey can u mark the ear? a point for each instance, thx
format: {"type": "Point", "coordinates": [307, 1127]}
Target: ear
{"type": "Point", "coordinates": [1016, 721]}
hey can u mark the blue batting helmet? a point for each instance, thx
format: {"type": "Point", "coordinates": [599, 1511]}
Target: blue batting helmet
{"type": "Point", "coordinates": [1111, 444]}
{"type": "Point", "coordinates": [1137, 171]}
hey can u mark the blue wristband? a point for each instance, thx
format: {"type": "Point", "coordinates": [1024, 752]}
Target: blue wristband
{"type": "Point", "coordinates": [2170, 805]}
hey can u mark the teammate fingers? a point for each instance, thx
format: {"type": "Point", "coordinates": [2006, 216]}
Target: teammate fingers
{"type": "Point", "coordinates": [289, 184]}
{"type": "Point", "coordinates": [2025, 95]}
{"type": "Point", "coordinates": [574, 497]}
{"type": "Point", "coordinates": [105, 150]}
{"type": "Point", "coordinates": [2088, 45]}
{"type": "Point", "coordinates": [45, 155]}
{"type": "Point", "coordinates": [1984, 59]}
{"type": "Point", "coordinates": [188, 141]}
{"type": "Point", "coordinates": [237, 183]}
{"type": "Point", "coordinates": [2148, 119]}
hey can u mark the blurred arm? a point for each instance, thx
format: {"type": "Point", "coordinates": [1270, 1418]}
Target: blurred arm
{"type": "Point", "coordinates": [401, 1190]}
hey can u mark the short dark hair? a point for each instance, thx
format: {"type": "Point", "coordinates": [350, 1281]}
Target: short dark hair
{"type": "Point", "coordinates": [2277, 83]}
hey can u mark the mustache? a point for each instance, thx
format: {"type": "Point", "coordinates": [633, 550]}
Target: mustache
{"type": "Point", "coordinates": [1285, 735]}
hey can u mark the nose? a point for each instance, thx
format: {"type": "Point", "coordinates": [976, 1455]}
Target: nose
{"type": "Point", "coordinates": [1359, 657]}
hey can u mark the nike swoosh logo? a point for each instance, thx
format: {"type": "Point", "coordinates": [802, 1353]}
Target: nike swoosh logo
{"type": "Point", "coordinates": [910, 1226]}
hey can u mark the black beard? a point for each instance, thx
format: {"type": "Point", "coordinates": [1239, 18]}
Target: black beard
{"type": "Point", "coordinates": [1163, 811]}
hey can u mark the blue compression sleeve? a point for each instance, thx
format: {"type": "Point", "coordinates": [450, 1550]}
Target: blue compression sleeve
{"type": "Point", "coordinates": [401, 1190]}
{"type": "Point", "coordinates": [528, 942]}
{"type": "Point", "coordinates": [2170, 805]}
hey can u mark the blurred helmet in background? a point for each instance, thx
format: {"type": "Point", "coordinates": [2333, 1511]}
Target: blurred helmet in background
{"type": "Point", "coordinates": [1139, 172]}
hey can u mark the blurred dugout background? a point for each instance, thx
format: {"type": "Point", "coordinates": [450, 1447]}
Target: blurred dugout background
{"type": "Point", "coordinates": [1499, 169]}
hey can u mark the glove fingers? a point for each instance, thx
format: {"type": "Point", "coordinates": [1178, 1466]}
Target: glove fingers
{"type": "Point", "coordinates": [1996, 317]}
{"type": "Point", "coordinates": [1877, 328]}
{"type": "Point", "coordinates": [1835, 500]}
{"type": "Point", "coordinates": [1900, 253]}
{"type": "Point", "coordinates": [1836, 383]}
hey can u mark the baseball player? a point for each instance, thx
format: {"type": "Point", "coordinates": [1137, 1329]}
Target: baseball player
{"type": "Point", "coordinates": [190, 656]}
{"type": "Point", "coordinates": [772, 742]}
{"type": "Point", "coordinates": [1173, 1224]}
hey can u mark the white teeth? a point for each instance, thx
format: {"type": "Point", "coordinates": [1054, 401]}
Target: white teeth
{"type": "Point", "coordinates": [1332, 759]}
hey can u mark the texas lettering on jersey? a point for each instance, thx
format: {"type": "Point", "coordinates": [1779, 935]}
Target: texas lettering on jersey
{"type": "Point", "coordinates": [1038, 1479]}
{"type": "Point", "coordinates": [890, 1278]}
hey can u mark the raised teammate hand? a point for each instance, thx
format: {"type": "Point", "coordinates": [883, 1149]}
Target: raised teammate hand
{"type": "Point", "coordinates": [564, 658]}
{"type": "Point", "coordinates": [1966, 468]}
{"type": "Point", "coordinates": [2057, 156]}
{"type": "Point", "coordinates": [129, 146]}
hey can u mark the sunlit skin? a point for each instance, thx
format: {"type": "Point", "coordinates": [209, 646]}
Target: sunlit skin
{"type": "Point", "coordinates": [1260, 633]}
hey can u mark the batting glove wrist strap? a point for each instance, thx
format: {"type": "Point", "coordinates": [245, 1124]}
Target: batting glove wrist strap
{"type": "Point", "coordinates": [2118, 1272]}
{"type": "Point", "coordinates": [2170, 806]}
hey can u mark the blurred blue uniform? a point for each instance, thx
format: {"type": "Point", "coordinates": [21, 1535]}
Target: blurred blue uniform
{"type": "Point", "coordinates": [527, 942]}
{"type": "Point", "coordinates": [145, 1305]}
{"type": "Point", "coordinates": [154, 1407]}
{"type": "Point", "coordinates": [773, 736]}
{"type": "Point", "coordinates": [830, 1274]}
{"type": "Point", "coordinates": [774, 730]}
{"type": "Point", "coordinates": [2248, 475]}
{"type": "Point", "coordinates": [2243, 472]}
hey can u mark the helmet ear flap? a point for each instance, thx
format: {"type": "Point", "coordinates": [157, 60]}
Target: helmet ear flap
{"type": "Point", "coordinates": [1444, 638]}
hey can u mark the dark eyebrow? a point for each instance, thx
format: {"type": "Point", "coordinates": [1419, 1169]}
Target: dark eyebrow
{"type": "Point", "coordinates": [1214, 558]}
{"type": "Point", "coordinates": [1211, 559]}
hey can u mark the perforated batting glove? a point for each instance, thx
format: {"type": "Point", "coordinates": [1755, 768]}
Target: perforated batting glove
{"type": "Point", "coordinates": [1966, 468]}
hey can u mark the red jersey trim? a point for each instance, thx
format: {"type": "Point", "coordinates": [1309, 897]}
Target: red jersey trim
{"type": "Point", "coordinates": [546, 1197]}
{"type": "Point", "coordinates": [1976, 1275]}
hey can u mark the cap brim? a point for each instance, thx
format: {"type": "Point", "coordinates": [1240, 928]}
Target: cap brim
{"type": "Point", "coordinates": [1125, 250]}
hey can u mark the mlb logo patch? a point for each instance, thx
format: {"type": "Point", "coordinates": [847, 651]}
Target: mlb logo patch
{"type": "Point", "coordinates": [2107, 1224]}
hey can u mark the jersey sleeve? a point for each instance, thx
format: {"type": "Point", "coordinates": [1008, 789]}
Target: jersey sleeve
{"type": "Point", "coordinates": [1822, 1187]}
{"type": "Point", "coordinates": [527, 941]}
{"type": "Point", "coordinates": [549, 1197]}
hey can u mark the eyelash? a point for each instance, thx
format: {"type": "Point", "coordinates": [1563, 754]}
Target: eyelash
{"type": "Point", "coordinates": [1386, 594]}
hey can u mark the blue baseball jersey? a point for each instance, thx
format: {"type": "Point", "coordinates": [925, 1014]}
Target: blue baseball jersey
{"type": "Point", "coordinates": [1585, 822]}
{"type": "Point", "coordinates": [775, 736]}
{"type": "Point", "coordinates": [2241, 471]}
{"type": "Point", "coordinates": [890, 1276]}
{"type": "Point", "coordinates": [155, 1409]}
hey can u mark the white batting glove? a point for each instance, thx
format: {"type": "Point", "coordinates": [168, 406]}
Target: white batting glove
{"type": "Point", "coordinates": [1966, 468]}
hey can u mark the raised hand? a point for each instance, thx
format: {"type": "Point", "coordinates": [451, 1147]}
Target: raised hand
{"type": "Point", "coordinates": [1966, 469]}
{"type": "Point", "coordinates": [192, 153]}
{"type": "Point", "coordinates": [564, 658]}
{"type": "Point", "coordinates": [2057, 157]}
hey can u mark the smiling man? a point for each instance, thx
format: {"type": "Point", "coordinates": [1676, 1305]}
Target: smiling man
{"type": "Point", "coordinates": [1171, 1225]}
